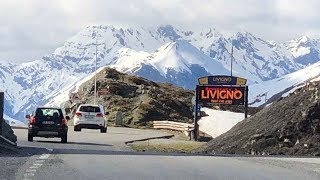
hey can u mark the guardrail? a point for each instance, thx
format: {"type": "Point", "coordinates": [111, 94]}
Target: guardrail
{"type": "Point", "coordinates": [7, 141]}
{"type": "Point", "coordinates": [19, 127]}
{"type": "Point", "coordinates": [177, 126]}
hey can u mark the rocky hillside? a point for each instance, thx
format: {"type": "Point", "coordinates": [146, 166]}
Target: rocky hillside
{"type": "Point", "coordinates": [290, 126]}
{"type": "Point", "coordinates": [140, 100]}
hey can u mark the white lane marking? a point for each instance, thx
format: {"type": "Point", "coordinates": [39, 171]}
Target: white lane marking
{"type": "Point", "coordinates": [49, 150]}
{"type": "Point", "coordinates": [44, 156]}
{"type": "Point", "coordinates": [40, 161]}
{"type": "Point", "coordinates": [37, 164]}
{"type": "Point", "coordinates": [30, 172]}
{"type": "Point", "coordinates": [34, 167]}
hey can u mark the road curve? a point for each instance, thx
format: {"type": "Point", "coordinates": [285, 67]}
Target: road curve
{"type": "Point", "coordinates": [92, 155]}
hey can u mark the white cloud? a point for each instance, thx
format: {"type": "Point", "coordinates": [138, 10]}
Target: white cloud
{"type": "Point", "coordinates": [29, 28]}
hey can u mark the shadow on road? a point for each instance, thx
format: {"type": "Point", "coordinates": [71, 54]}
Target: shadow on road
{"type": "Point", "coordinates": [124, 133]}
{"type": "Point", "coordinates": [124, 153]}
{"type": "Point", "coordinates": [75, 143]}
{"type": "Point", "coordinates": [25, 152]}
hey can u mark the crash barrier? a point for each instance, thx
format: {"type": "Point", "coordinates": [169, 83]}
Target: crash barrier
{"type": "Point", "coordinates": [5, 140]}
{"type": "Point", "coordinates": [177, 126]}
{"type": "Point", "coordinates": [19, 127]}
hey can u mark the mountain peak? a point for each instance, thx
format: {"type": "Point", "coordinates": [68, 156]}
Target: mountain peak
{"type": "Point", "coordinates": [244, 35]}
{"type": "Point", "coordinates": [169, 32]}
{"type": "Point", "coordinates": [210, 32]}
{"type": "Point", "coordinates": [303, 39]}
{"type": "Point", "coordinates": [300, 41]}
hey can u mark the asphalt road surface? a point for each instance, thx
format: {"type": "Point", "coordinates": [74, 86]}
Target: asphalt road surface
{"type": "Point", "coordinates": [92, 155]}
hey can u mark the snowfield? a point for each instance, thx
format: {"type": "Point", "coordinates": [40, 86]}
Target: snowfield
{"type": "Point", "coordinates": [218, 122]}
{"type": "Point", "coordinates": [283, 85]}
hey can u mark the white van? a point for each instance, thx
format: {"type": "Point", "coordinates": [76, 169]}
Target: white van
{"type": "Point", "coordinates": [90, 116]}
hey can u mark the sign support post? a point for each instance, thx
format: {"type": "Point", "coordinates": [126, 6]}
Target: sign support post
{"type": "Point", "coordinates": [196, 126]}
{"type": "Point", "coordinates": [1, 110]}
{"type": "Point", "coordinates": [246, 103]}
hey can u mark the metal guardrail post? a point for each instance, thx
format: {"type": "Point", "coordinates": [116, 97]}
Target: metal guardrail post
{"type": "Point", "coordinates": [1, 110]}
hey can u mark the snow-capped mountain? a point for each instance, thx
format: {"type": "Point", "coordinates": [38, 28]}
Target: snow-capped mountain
{"type": "Point", "coordinates": [160, 53]}
{"type": "Point", "coordinates": [304, 50]}
{"type": "Point", "coordinates": [177, 62]}
{"type": "Point", "coordinates": [268, 91]}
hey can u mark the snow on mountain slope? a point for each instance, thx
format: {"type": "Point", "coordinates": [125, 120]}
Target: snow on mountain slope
{"type": "Point", "coordinates": [262, 93]}
{"type": "Point", "coordinates": [305, 51]}
{"type": "Point", "coordinates": [254, 58]}
{"type": "Point", "coordinates": [163, 53]}
{"type": "Point", "coordinates": [177, 62]}
{"type": "Point", "coordinates": [63, 95]}
{"type": "Point", "coordinates": [14, 122]}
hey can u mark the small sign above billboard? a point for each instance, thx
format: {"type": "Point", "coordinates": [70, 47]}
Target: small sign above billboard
{"type": "Point", "coordinates": [222, 80]}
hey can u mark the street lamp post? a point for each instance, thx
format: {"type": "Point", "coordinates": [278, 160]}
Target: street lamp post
{"type": "Point", "coordinates": [95, 74]}
{"type": "Point", "coordinates": [231, 58]}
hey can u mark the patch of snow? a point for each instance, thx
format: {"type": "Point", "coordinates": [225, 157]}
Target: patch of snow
{"type": "Point", "coordinates": [218, 122]}
{"type": "Point", "coordinates": [294, 80]}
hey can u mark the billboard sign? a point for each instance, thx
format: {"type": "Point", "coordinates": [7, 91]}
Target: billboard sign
{"type": "Point", "coordinates": [233, 95]}
{"type": "Point", "coordinates": [222, 80]}
{"type": "Point", "coordinates": [104, 91]}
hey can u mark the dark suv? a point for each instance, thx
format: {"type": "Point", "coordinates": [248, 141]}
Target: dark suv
{"type": "Point", "coordinates": [48, 122]}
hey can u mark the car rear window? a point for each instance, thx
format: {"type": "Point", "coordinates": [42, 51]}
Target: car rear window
{"type": "Point", "coordinates": [49, 112]}
{"type": "Point", "coordinates": [89, 109]}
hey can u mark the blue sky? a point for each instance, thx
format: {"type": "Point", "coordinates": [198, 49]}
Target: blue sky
{"type": "Point", "coordinates": [30, 29]}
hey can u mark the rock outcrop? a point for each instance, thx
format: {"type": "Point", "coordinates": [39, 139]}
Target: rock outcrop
{"type": "Point", "coordinates": [139, 99]}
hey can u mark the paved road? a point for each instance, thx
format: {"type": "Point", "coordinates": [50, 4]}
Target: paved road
{"type": "Point", "coordinates": [91, 155]}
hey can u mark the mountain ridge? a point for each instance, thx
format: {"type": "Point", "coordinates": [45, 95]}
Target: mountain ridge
{"type": "Point", "coordinates": [37, 82]}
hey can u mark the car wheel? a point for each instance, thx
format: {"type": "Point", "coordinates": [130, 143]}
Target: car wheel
{"type": "Point", "coordinates": [77, 128]}
{"type": "Point", "coordinates": [103, 129]}
{"type": "Point", "coordinates": [30, 137]}
{"type": "Point", "coordinates": [64, 139]}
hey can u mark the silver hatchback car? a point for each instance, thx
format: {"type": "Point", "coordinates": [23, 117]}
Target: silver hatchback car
{"type": "Point", "coordinates": [90, 116]}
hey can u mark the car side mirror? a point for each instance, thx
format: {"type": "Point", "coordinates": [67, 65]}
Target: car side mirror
{"type": "Point", "coordinates": [106, 113]}
{"type": "Point", "coordinates": [68, 118]}
{"type": "Point", "coordinates": [28, 116]}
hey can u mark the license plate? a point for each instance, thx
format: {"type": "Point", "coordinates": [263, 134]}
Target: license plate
{"type": "Point", "coordinates": [47, 122]}
{"type": "Point", "coordinates": [89, 116]}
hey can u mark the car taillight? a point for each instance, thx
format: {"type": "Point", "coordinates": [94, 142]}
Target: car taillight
{"type": "Point", "coordinates": [32, 120]}
{"type": "Point", "coordinates": [99, 115]}
{"type": "Point", "coordinates": [78, 114]}
{"type": "Point", "coordinates": [64, 122]}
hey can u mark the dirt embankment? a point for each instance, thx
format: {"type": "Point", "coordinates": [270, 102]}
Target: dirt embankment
{"type": "Point", "coordinates": [290, 126]}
